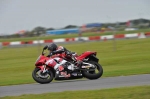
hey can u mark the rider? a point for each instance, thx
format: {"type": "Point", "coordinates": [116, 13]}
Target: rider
{"type": "Point", "coordinates": [54, 49]}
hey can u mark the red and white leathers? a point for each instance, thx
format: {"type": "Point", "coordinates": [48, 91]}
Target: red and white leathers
{"type": "Point", "coordinates": [62, 52]}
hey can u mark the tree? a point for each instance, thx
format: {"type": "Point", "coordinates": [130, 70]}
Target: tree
{"type": "Point", "coordinates": [39, 30]}
{"type": "Point", "coordinates": [70, 26]}
{"type": "Point", "coordinates": [50, 29]}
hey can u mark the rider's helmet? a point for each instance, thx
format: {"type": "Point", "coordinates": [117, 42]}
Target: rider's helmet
{"type": "Point", "coordinates": [52, 47]}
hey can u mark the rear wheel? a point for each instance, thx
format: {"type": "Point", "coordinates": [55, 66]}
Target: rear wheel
{"type": "Point", "coordinates": [93, 73]}
{"type": "Point", "coordinates": [41, 77]}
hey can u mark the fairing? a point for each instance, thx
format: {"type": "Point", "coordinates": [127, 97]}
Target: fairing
{"type": "Point", "coordinates": [85, 54]}
{"type": "Point", "coordinates": [41, 60]}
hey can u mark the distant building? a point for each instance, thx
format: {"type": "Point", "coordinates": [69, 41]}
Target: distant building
{"type": "Point", "coordinates": [63, 31]}
{"type": "Point", "coordinates": [91, 25]}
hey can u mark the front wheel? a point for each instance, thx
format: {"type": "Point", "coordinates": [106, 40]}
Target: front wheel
{"type": "Point", "coordinates": [97, 73]}
{"type": "Point", "coordinates": [41, 77]}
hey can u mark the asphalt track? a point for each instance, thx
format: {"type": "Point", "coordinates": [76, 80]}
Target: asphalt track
{"type": "Point", "coordinates": [72, 85]}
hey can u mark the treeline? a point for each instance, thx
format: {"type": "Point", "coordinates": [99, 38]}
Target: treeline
{"type": "Point", "coordinates": [37, 31]}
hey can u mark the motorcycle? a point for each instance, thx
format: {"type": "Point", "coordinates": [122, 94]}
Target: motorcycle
{"type": "Point", "coordinates": [89, 69]}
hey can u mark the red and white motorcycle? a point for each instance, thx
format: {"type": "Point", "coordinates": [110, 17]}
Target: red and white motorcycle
{"type": "Point", "coordinates": [45, 73]}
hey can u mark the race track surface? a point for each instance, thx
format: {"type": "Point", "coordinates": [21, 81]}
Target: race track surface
{"type": "Point", "coordinates": [72, 85]}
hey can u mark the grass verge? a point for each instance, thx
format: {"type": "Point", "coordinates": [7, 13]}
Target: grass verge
{"type": "Point", "coordinates": [131, 57]}
{"type": "Point", "coordinates": [139, 92]}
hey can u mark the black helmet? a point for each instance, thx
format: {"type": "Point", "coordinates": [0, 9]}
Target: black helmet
{"type": "Point", "coordinates": [52, 47]}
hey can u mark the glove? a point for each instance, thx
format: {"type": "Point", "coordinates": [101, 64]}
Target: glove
{"type": "Point", "coordinates": [68, 53]}
{"type": "Point", "coordinates": [50, 54]}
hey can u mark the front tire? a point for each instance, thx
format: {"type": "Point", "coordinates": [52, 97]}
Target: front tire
{"type": "Point", "coordinates": [92, 74]}
{"type": "Point", "coordinates": [42, 78]}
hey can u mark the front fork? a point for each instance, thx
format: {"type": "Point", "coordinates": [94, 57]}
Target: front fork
{"type": "Point", "coordinates": [43, 68]}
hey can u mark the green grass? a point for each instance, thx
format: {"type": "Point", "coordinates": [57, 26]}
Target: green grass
{"type": "Point", "coordinates": [138, 92]}
{"type": "Point", "coordinates": [131, 57]}
{"type": "Point", "coordinates": [71, 35]}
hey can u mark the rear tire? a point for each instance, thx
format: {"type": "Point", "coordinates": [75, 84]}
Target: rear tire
{"type": "Point", "coordinates": [92, 74]}
{"type": "Point", "coordinates": [41, 80]}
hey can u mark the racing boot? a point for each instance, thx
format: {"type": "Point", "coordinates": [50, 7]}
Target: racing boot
{"type": "Point", "coordinates": [79, 63]}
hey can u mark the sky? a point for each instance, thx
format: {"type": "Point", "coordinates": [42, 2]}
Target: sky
{"type": "Point", "coordinates": [16, 15]}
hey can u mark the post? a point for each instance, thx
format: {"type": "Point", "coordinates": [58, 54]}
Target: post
{"type": "Point", "coordinates": [114, 40]}
{"type": "Point", "coordinates": [1, 45]}
{"type": "Point", "coordinates": [38, 42]}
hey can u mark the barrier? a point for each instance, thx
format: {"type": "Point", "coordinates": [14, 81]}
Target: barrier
{"type": "Point", "coordinates": [103, 38]}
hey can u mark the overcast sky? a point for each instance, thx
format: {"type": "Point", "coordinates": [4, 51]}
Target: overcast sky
{"type": "Point", "coordinates": [18, 15]}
